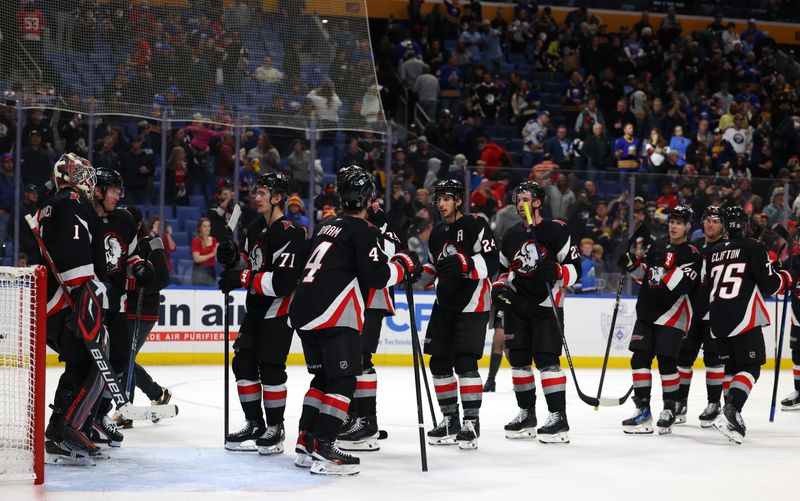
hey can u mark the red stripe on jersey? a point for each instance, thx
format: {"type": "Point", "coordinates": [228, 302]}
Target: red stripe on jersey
{"type": "Point", "coordinates": [442, 388]}
{"type": "Point", "coordinates": [248, 389]}
{"type": "Point", "coordinates": [283, 309]}
{"type": "Point", "coordinates": [666, 278]}
{"type": "Point", "coordinates": [370, 297]}
{"type": "Point", "coordinates": [315, 394]}
{"type": "Point", "coordinates": [335, 403]}
{"type": "Point", "coordinates": [522, 380]}
{"type": "Point", "coordinates": [757, 303]}
{"type": "Point", "coordinates": [715, 375]}
{"type": "Point", "coordinates": [796, 372]}
{"type": "Point", "coordinates": [78, 281]}
{"type": "Point", "coordinates": [471, 389]}
{"type": "Point", "coordinates": [257, 284]}
{"type": "Point", "coordinates": [564, 274]}
{"type": "Point", "coordinates": [642, 377]}
{"type": "Point", "coordinates": [351, 296]}
{"type": "Point", "coordinates": [481, 303]}
{"type": "Point", "coordinates": [275, 395]}
{"type": "Point", "coordinates": [683, 308]}
{"type": "Point", "coordinates": [559, 297]}
{"type": "Point", "coordinates": [554, 381]}
{"type": "Point", "coordinates": [366, 385]}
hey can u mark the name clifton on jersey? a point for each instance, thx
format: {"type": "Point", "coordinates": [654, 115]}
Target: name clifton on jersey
{"type": "Point", "coordinates": [725, 254]}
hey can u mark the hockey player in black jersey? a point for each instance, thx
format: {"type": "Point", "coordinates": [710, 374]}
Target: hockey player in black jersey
{"type": "Point", "coordinates": [275, 253]}
{"type": "Point", "coordinates": [668, 274]}
{"type": "Point", "coordinates": [792, 401]}
{"type": "Point", "coordinates": [68, 226]}
{"type": "Point", "coordinates": [346, 260]}
{"type": "Point", "coordinates": [125, 271]}
{"type": "Point", "coordinates": [741, 276]}
{"type": "Point", "coordinates": [699, 331]}
{"type": "Point", "coordinates": [463, 257]}
{"type": "Point", "coordinates": [531, 259]}
{"type": "Point", "coordinates": [361, 430]}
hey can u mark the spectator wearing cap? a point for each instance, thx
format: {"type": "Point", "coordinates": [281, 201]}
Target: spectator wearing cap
{"type": "Point", "coordinates": [721, 150]}
{"type": "Point", "coordinates": [296, 211]}
{"type": "Point", "coordinates": [740, 136]}
{"type": "Point", "coordinates": [426, 87]}
{"type": "Point", "coordinates": [7, 188]}
{"type": "Point", "coordinates": [751, 34]}
{"type": "Point", "coordinates": [442, 133]}
{"type": "Point", "coordinates": [36, 165]}
{"type": "Point", "coordinates": [137, 168]}
{"type": "Point", "coordinates": [560, 147]}
{"type": "Point", "coordinates": [775, 210]}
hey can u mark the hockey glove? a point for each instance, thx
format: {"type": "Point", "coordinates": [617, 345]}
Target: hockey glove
{"type": "Point", "coordinates": [547, 271]}
{"type": "Point", "coordinates": [628, 262]}
{"type": "Point", "coordinates": [454, 266]}
{"type": "Point", "coordinates": [786, 281]}
{"type": "Point", "coordinates": [655, 257]}
{"type": "Point", "coordinates": [410, 263]}
{"type": "Point", "coordinates": [500, 296]}
{"type": "Point", "coordinates": [233, 279]}
{"type": "Point", "coordinates": [227, 252]}
{"type": "Point", "coordinates": [144, 273]}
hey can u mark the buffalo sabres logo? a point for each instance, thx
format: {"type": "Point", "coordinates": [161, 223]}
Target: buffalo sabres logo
{"type": "Point", "coordinates": [256, 256]}
{"type": "Point", "coordinates": [114, 252]}
{"type": "Point", "coordinates": [738, 138]}
{"type": "Point", "coordinates": [448, 249]}
{"type": "Point", "coordinates": [525, 258]}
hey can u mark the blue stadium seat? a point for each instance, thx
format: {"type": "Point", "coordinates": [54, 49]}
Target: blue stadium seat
{"type": "Point", "coordinates": [197, 201]}
{"type": "Point", "coordinates": [183, 266]}
{"type": "Point", "coordinates": [182, 252]}
{"type": "Point", "coordinates": [181, 238]}
{"type": "Point", "coordinates": [176, 223]}
{"type": "Point", "coordinates": [190, 227]}
{"type": "Point", "coordinates": [184, 213]}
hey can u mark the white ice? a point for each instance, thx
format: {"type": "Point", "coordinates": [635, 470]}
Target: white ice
{"type": "Point", "coordinates": [183, 458]}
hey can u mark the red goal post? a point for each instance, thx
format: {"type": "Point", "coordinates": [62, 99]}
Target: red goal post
{"type": "Point", "coordinates": [23, 329]}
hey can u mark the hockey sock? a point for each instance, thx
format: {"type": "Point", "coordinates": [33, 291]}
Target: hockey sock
{"type": "Point", "coordinates": [554, 387]}
{"type": "Point", "coordinates": [366, 392]}
{"type": "Point", "coordinates": [524, 386]}
{"type": "Point", "coordinates": [741, 384]}
{"type": "Point", "coordinates": [250, 398]}
{"type": "Point", "coordinates": [332, 414]}
{"type": "Point", "coordinates": [796, 368]}
{"type": "Point", "coordinates": [471, 389]}
{"type": "Point", "coordinates": [714, 377]}
{"type": "Point", "coordinates": [726, 386]}
{"type": "Point", "coordinates": [311, 405]}
{"type": "Point", "coordinates": [685, 374]}
{"type": "Point", "coordinates": [274, 402]}
{"type": "Point", "coordinates": [642, 383]}
{"type": "Point", "coordinates": [670, 386]}
{"type": "Point", "coordinates": [494, 364]}
{"type": "Point", "coordinates": [446, 393]}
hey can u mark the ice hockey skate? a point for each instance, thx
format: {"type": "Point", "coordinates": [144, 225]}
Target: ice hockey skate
{"type": "Point", "coordinates": [467, 437]}
{"type": "Point", "coordinates": [667, 418]}
{"type": "Point", "coordinates": [523, 426]}
{"type": "Point", "coordinates": [555, 429]}
{"type": "Point", "coordinates": [271, 442]}
{"type": "Point", "coordinates": [709, 414]}
{"type": "Point", "coordinates": [330, 460]}
{"type": "Point", "coordinates": [361, 436]}
{"type": "Point", "coordinates": [683, 408]}
{"type": "Point", "coordinates": [107, 432]}
{"type": "Point", "coordinates": [641, 423]}
{"type": "Point", "coordinates": [445, 432]}
{"type": "Point", "coordinates": [244, 439]}
{"type": "Point", "coordinates": [731, 424]}
{"type": "Point", "coordinates": [792, 402]}
{"type": "Point", "coordinates": [303, 448]}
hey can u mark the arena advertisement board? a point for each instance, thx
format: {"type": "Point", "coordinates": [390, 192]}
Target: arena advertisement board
{"type": "Point", "coordinates": [191, 329]}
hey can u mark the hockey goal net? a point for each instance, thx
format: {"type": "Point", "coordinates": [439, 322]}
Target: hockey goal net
{"type": "Point", "coordinates": [23, 324]}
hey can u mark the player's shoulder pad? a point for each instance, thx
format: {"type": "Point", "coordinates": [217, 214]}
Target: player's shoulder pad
{"type": "Point", "coordinates": [124, 214]}
{"type": "Point", "coordinates": [693, 249]}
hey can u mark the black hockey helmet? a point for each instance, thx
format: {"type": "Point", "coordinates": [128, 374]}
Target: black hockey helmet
{"type": "Point", "coordinates": [682, 213]}
{"type": "Point", "coordinates": [450, 187]}
{"type": "Point", "coordinates": [735, 221]}
{"type": "Point", "coordinates": [532, 188]}
{"type": "Point", "coordinates": [107, 178]}
{"type": "Point", "coordinates": [346, 171]}
{"type": "Point", "coordinates": [276, 183]}
{"type": "Point", "coordinates": [356, 191]}
{"type": "Point", "coordinates": [714, 211]}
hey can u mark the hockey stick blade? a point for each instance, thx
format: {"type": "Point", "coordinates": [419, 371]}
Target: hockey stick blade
{"type": "Point", "coordinates": [234, 220]}
{"type": "Point", "coordinates": [149, 412]}
{"type": "Point", "coordinates": [615, 402]}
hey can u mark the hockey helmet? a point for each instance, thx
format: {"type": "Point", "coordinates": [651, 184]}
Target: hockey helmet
{"type": "Point", "coordinates": [275, 182]}
{"type": "Point", "coordinates": [682, 213]}
{"type": "Point", "coordinates": [714, 211]}
{"type": "Point", "coordinates": [107, 178]}
{"type": "Point", "coordinates": [356, 191]}
{"type": "Point", "coordinates": [450, 187]}
{"type": "Point", "coordinates": [534, 189]}
{"type": "Point", "coordinates": [735, 221]}
{"type": "Point", "coordinates": [77, 171]}
{"type": "Point", "coordinates": [346, 171]}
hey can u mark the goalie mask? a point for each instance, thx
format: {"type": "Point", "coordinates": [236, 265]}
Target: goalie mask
{"type": "Point", "coordinates": [77, 171]}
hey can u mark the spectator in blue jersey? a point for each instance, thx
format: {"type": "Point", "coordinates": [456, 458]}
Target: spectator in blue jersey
{"type": "Point", "coordinates": [627, 150]}
{"type": "Point", "coordinates": [573, 96]}
{"type": "Point", "coordinates": [560, 147]}
{"type": "Point", "coordinates": [679, 143]}
{"type": "Point", "coordinates": [451, 81]}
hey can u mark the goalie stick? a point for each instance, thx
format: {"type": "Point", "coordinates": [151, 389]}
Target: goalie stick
{"type": "Point", "coordinates": [607, 402]}
{"type": "Point", "coordinates": [232, 222]}
{"type": "Point", "coordinates": [90, 334]}
{"type": "Point", "coordinates": [787, 294]}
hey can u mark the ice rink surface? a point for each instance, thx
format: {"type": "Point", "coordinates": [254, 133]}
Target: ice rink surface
{"type": "Point", "coordinates": [183, 458]}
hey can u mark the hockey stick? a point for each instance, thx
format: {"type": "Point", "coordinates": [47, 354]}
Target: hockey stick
{"type": "Point", "coordinates": [415, 340]}
{"type": "Point", "coordinates": [92, 340]}
{"type": "Point", "coordinates": [132, 361]}
{"type": "Point", "coordinates": [232, 222]}
{"type": "Point", "coordinates": [423, 453]}
{"type": "Point", "coordinates": [641, 231]}
{"type": "Point", "coordinates": [607, 402]}
{"type": "Point", "coordinates": [786, 298]}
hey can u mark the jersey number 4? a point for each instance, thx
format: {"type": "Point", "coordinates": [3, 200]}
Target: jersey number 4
{"type": "Point", "coordinates": [315, 261]}
{"type": "Point", "coordinates": [727, 280]}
